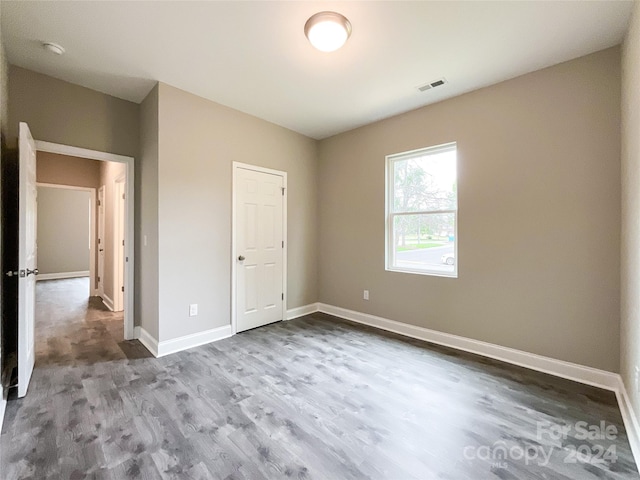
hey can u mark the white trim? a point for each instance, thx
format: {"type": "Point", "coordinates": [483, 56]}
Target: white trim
{"type": "Point", "coordinates": [108, 303]}
{"type": "Point", "coordinates": [194, 340]}
{"type": "Point", "coordinates": [3, 405]}
{"type": "Point", "coordinates": [302, 311]}
{"type": "Point", "coordinates": [160, 349]}
{"type": "Point", "coordinates": [70, 151]}
{"type": "Point", "coordinates": [58, 276]}
{"type": "Point", "coordinates": [147, 340]}
{"type": "Point", "coordinates": [283, 174]}
{"type": "Point", "coordinates": [629, 418]}
{"type": "Point", "coordinates": [101, 215]}
{"type": "Point", "coordinates": [130, 234]}
{"type": "Point", "coordinates": [119, 221]}
{"type": "Point", "coordinates": [559, 368]}
{"type": "Point", "coordinates": [92, 226]}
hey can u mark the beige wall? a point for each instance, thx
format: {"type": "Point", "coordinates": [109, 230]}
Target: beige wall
{"type": "Point", "coordinates": [198, 141]}
{"type": "Point", "coordinates": [109, 173]}
{"type": "Point", "coordinates": [630, 275]}
{"type": "Point", "coordinates": [539, 214]}
{"type": "Point", "coordinates": [63, 230]}
{"type": "Point", "coordinates": [64, 170]}
{"type": "Point", "coordinates": [62, 112]}
{"type": "Point", "coordinates": [147, 215]}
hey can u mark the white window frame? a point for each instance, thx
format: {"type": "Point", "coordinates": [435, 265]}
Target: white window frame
{"type": "Point", "coordinates": [390, 214]}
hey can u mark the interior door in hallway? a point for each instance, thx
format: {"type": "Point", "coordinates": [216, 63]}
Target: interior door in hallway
{"type": "Point", "coordinates": [27, 258]}
{"type": "Point", "coordinates": [259, 201]}
{"type": "Point", "coordinates": [101, 244]}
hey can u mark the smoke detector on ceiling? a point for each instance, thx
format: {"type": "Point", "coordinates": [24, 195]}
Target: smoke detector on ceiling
{"type": "Point", "coordinates": [53, 48]}
{"type": "Point", "coordinates": [434, 84]}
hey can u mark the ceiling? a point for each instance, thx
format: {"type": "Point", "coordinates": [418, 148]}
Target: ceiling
{"type": "Point", "coordinates": [254, 57]}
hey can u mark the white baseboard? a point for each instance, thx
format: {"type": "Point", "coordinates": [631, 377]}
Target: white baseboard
{"type": "Point", "coordinates": [107, 301]}
{"type": "Point", "coordinates": [630, 419]}
{"type": "Point", "coordinates": [61, 275]}
{"type": "Point", "coordinates": [194, 340]}
{"type": "Point", "coordinates": [167, 347]}
{"type": "Point", "coordinates": [146, 339]}
{"type": "Point", "coordinates": [559, 368]}
{"type": "Point", "coordinates": [301, 311]}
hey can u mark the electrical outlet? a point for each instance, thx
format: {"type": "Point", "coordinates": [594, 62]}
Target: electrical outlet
{"type": "Point", "coordinates": [366, 295]}
{"type": "Point", "coordinates": [193, 309]}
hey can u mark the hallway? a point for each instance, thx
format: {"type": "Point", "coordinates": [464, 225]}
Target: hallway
{"type": "Point", "coordinates": [74, 329]}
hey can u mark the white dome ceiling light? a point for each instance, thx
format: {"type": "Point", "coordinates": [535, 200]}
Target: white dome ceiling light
{"type": "Point", "coordinates": [53, 48]}
{"type": "Point", "coordinates": [327, 31]}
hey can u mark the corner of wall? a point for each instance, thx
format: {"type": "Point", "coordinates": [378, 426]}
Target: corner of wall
{"type": "Point", "coordinates": [630, 230]}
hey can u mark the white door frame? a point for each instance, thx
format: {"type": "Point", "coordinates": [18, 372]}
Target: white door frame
{"type": "Point", "coordinates": [118, 233]}
{"type": "Point", "coordinates": [92, 226]}
{"type": "Point", "coordinates": [101, 216]}
{"type": "Point", "coordinates": [130, 231]}
{"type": "Point", "coordinates": [234, 254]}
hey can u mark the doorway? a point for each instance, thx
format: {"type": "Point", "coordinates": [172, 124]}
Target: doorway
{"type": "Point", "coordinates": [114, 219]}
{"type": "Point", "coordinates": [20, 245]}
{"type": "Point", "coordinates": [259, 250]}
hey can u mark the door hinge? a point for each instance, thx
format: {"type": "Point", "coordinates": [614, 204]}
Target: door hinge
{"type": "Point", "coordinates": [98, 241]}
{"type": "Point", "coordinates": [283, 296]}
{"type": "Point", "coordinates": [283, 191]}
{"type": "Point", "coordinates": [99, 203]}
{"type": "Point", "coordinates": [282, 243]}
{"type": "Point", "coordinates": [123, 196]}
{"type": "Point", "coordinates": [123, 288]}
{"type": "Point", "coordinates": [123, 243]}
{"type": "Point", "coordinates": [98, 277]}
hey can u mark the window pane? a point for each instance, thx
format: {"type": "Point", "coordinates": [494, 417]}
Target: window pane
{"type": "Point", "coordinates": [425, 242]}
{"type": "Point", "coordinates": [425, 182]}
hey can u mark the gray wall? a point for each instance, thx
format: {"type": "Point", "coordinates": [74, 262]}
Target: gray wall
{"type": "Point", "coordinates": [64, 230]}
{"type": "Point", "coordinates": [630, 318]}
{"type": "Point", "coordinates": [539, 214]}
{"type": "Point", "coordinates": [147, 215]}
{"type": "Point", "coordinates": [62, 112]}
{"type": "Point", "coordinates": [198, 141]}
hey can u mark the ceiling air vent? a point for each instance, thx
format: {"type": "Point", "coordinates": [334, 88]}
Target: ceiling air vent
{"type": "Point", "coordinates": [434, 84]}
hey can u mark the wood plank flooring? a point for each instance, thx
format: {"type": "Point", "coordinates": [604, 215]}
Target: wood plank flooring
{"type": "Point", "coordinates": [312, 398]}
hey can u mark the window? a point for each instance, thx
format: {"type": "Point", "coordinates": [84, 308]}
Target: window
{"type": "Point", "coordinates": [422, 211]}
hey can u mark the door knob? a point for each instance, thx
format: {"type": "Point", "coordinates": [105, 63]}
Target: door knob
{"type": "Point", "coordinates": [101, 250]}
{"type": "Point", "coordinates": [12, 273]}
{"type": "Point", "coordinates": [241, 258]}
{"type": "Point", "coordinates": [32, 272]}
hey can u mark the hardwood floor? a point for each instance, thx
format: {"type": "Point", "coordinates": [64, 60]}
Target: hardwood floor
{"type": "Point", "coordinates": [312, 398]}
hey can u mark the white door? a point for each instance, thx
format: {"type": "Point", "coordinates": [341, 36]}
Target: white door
{"type": "Point", "coordinates": [259, 248]}
{"type": "Point", "coordinates": [27, 253]}
{"type": "Point", "coordinates": [101, 241]}
{"type": "Point", "coordinates": [119, 242]}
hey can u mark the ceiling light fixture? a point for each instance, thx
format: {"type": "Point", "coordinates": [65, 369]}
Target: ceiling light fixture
{"type": "Point", "coordinates": [327, 31]}
{"type": "Point", "coordinates": [53, 48]}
